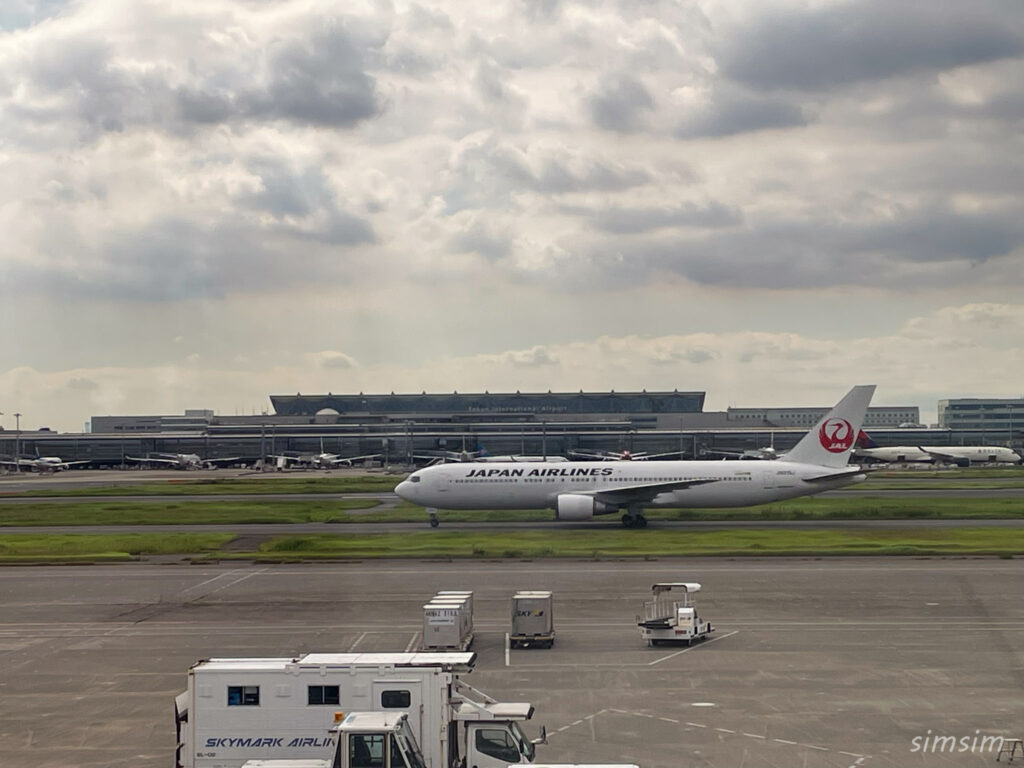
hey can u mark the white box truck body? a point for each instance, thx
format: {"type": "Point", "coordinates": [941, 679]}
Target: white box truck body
{"type": "Point", "coordinates": [243, 709]}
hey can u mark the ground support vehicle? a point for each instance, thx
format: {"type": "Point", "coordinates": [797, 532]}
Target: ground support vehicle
{"type": "Point", "coordinates": [385, 740]}
{"type": "Point", "coordinates": [245, 709]}
{"type": "Point", "coordinates": [668, 619]}
{"type": "Point", "coordinates": [533, 619]}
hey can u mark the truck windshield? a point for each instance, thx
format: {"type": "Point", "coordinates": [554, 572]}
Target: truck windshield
{"type": "Point", "coordinates": [525, 745]}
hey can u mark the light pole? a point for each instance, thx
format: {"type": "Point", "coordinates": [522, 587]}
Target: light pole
{"type": "Point", "coordinates": [17, 441]}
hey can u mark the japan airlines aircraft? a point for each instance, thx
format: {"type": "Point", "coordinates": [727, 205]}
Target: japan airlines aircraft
{"type": "Point", "coordinates": [581, 490]}
{"type": "Point", "coordinates": [961, 455]}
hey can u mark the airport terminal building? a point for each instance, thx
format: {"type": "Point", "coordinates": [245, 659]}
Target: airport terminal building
{"type": "Point", "coordinates": [400, 427]}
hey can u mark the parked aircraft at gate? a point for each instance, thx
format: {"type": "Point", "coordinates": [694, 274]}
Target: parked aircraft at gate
{"type": "Point", "coordinates": [42, 463]}
{"type": "Point", "coordinates": [183, 460]}
{"type": "Point", "coordinates": [961, 455]}
{"type": "Point", "coordinates": [581, 490]}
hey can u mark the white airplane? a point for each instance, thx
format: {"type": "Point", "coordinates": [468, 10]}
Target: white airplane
{"type": "Point", "coordinates": [442, 457]}
{"type": "Point", "coordinates": [622, 455]}
{"type": "Point", "coordinates": [183, 460]}
{"type": "Point", "coordinates": [318, 460]}
{"type": "Point", "coordinates": [581, 490]}
{"type": "Point", "coordinates": [42, 463]}
{"type": "Point", "coordinates": [760, 454]}
{"type": "Point", "coordinates": [961, 455]}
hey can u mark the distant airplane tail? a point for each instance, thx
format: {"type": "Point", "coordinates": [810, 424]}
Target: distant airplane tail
{"type": "Point", "coordinates": [864, 440]}
{"type": "Point", "coordinates": [832, 439]}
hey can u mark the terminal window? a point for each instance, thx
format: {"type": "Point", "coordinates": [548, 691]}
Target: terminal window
{"type": "Point", "coordinates": [243, 695]}
{"type": "Point", "coordinates": [323, 694]}
{"type": "Point", "coordinates": [395, 699]}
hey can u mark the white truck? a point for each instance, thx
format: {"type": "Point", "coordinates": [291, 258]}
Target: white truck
{"type": "Point", "coordinates": [668, 618]}
{"type": "Point", "coordinates": [238, 710]}
{"type": "Point", "coordinates": [386, 740]}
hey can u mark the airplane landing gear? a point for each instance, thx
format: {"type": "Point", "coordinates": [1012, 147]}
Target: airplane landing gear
{"type": "Point", "coordinates": [634, 517]}
{"type": "Point", "coordinates": [434, 522]}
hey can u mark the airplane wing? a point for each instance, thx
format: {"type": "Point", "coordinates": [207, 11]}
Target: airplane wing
{"type": "Point", "coordinates": [649, 456]}
{"type": "Point", "coordinates": [228, 460]}
{"type": "Point", "coordinates": [587, 456]}
{"type": "Point", "coordinates": [349, 459]}
{"type": "Point", "coordinates": [152, 460]}
{"type": "Point", "coordinates": [949, 458]}
{"type": "Point", "coordinates": [938, 454]}
{"type": "Point", "coordinates": [851, 472]}
{"type": "Point", "coordinates": [646, 491]}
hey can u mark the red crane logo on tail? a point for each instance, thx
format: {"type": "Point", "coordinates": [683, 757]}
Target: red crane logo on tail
{"type": "Point", "coordinates": [836, 435]}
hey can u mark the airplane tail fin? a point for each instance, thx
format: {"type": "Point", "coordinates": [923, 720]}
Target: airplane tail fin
{"type": "Point", "coordinates": [864, 440]}
{"type": "Point", "coordinates": [832, 439]}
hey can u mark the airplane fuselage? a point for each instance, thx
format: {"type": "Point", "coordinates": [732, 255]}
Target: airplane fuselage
{"type": "Point", "coordinates": [519, 486]}
{"type": "Point", "coordinates": [983, 454]}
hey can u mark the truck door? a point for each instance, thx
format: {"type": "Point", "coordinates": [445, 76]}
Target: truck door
{"type": "Point", "coordinates": [491, 746]}
{"type": "Point", "coordinates": [401, 696]}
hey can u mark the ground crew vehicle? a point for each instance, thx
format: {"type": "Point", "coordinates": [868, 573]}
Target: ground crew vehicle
{"type": "Point", "coordinates": [385, 740]}
{"type": "Point", "coordinates": [669, 618]}
{"type": "Point", "coordinates": [247, 709]}
{"type": "Point", "coordinates": [533, 619]}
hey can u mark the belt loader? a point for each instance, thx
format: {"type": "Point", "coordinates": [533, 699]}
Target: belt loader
{"type": "Point", "coordinates": [667, 618]}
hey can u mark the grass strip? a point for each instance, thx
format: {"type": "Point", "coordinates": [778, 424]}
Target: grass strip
{"type": "Point", "coordinates": [47, 513]}
{"type": "Point", "coordinates": [643, 543]}
{"type": "Point", "coordinates": [180, 513]}
{"type": "Point", "coordinates": [228, 485]}
{"type": "Point", "coordinates": [16, 548]}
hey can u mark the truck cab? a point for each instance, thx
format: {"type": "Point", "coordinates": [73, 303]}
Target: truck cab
{"type": "Point", "coordinates": [386, 740]}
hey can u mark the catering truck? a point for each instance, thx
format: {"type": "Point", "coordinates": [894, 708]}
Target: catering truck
{"type": "Point", "coordinates": [236, 710]}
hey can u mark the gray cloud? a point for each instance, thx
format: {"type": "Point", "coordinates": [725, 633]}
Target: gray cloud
{"type": "Point", "coordinates": [838, 44]}
{"type": "Point", "coordinates": [82, 384]}
{"type": "Point", "coordinates": [80, 80]}
{"type": "Point", "coordinates": [915, 250]}
{"type": "Point", "coordinates": [731, 112]}
{"type": "Point", "coordinates": [318, 81]}
{"type": "Point", "coordinates": [620, 103]}
{"type": "Point", "coordinates": [481, 239]}
{"type": "Point", "coordinates": [176, 259]}
{"type": "Point", "coordinates": [620, 220]}
{"type": "Point", "coordinates": [489, 173]}
{"type": "Point", "coordinates": [537, 357]}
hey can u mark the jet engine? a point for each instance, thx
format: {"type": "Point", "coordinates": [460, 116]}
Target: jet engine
{"type": "Point", "coordinates": [576, 506]}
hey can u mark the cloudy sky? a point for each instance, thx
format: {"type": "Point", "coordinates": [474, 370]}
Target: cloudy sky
{"type": "Point", "coordinates": [205, 202]}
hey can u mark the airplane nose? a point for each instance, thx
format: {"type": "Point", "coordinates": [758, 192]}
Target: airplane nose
{"type": "Point", "coordinates": [404, 490]}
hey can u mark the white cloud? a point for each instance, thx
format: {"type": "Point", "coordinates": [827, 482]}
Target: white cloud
{"type": "Point", "coordinates": [950, 353]}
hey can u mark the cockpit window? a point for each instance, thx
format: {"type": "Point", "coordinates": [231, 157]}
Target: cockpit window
{"type": "Point", "coordinates": [414, 479]}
